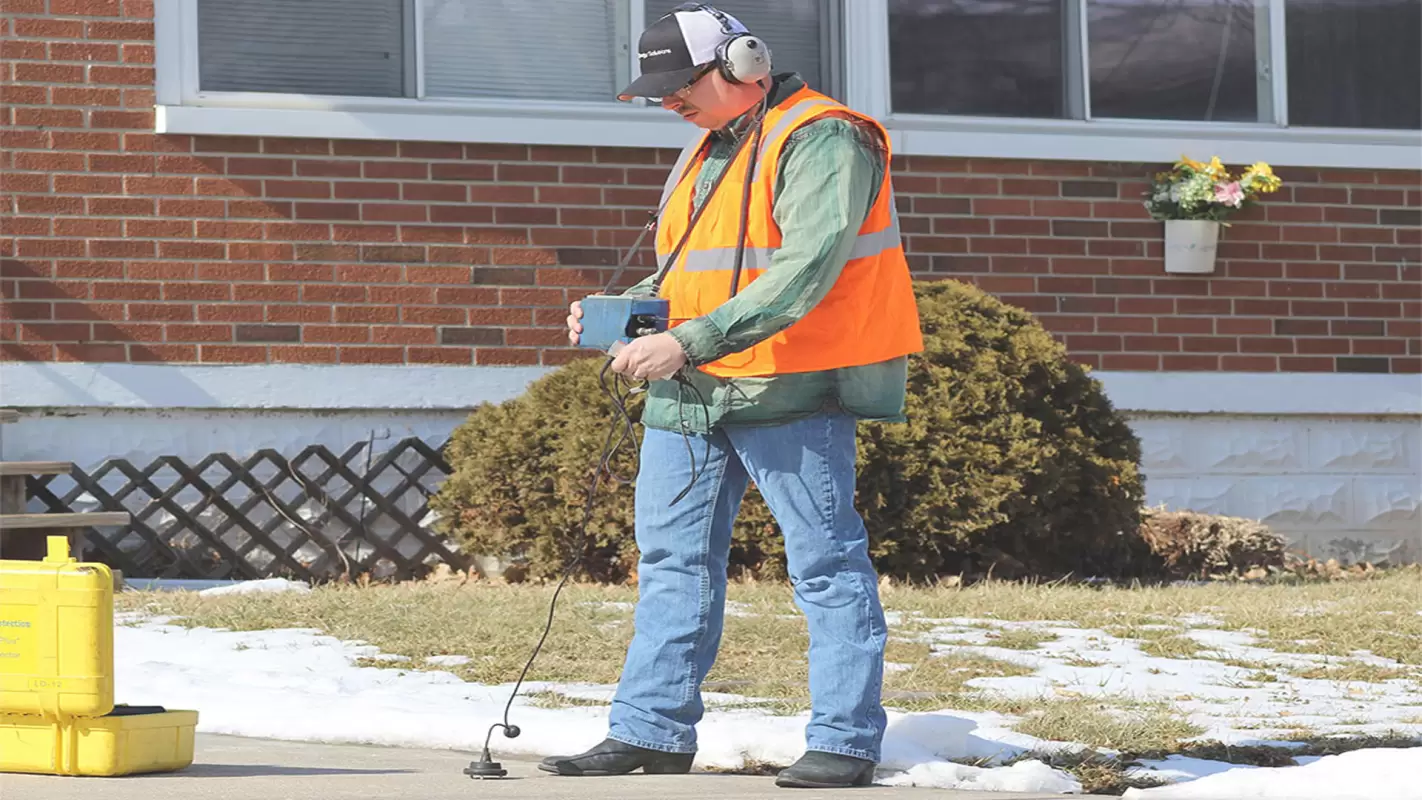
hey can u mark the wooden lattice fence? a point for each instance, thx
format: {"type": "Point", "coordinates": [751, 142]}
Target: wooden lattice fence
{"type": "Point", "coordinates": [319, 515]}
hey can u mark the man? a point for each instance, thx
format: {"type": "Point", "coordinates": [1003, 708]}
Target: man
{"type": "Point", "coordinates": [815, 338]}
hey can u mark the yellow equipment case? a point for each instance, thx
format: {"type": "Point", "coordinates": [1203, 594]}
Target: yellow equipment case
{"type": "Point", "coordinates": [57, 712]}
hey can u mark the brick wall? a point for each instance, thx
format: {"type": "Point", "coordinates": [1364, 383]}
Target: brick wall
{"type": "Point", "coordinates": [120, 245]}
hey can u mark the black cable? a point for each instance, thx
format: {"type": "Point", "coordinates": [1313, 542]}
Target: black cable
{"type": "Point", "coordinates": [609, 450]}
{"type": "Point", "coordinates": [745, 197]}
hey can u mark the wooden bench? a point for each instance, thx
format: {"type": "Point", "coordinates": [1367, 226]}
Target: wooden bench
{"type": "Point", "coordinates": [22, 534]}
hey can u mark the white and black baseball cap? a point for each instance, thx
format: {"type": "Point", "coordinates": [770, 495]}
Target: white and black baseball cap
{"type": "Point", "coordinates": [676, 48]}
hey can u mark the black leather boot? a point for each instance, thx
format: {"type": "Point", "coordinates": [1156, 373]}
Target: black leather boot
{"type": "Point", "coordinates": [612, 757]}
{"type": "Point", "coordinates": [820, 770]}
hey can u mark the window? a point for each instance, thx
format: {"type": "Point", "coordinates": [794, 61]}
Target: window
{"type": "Point", "coordinates": [1350, 64]}
{"type": "Point", "coordinates": [1292, 82]}
{"type": "Point", "coordinates": [340, 47]}
{"type": "Point", "coordinates": [977, 58]}
{"type": "Point", "coordinates": [381, 48]}
{"type": "Point", "coordinates": [484, 49]}
{"type": "Point", "coordinates": [1191, 60]}
{"type": "Point", "coordinates": [1355, 63]}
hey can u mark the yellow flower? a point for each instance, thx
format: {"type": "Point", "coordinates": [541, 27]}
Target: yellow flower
{"type": "Point", "coordinates": [1186, 161]}
{"type": "Point", "coordinates": [1261, 168]}
{"type": "Point", "coordinates": [1262, 176]}
{"type": "Point", "coordinates": [1217, 170]}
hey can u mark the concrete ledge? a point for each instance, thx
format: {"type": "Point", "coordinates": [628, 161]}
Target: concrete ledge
{"type": "Point", "coordinates": [362, 387]}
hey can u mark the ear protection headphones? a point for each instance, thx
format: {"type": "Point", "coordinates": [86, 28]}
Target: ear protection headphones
{"type": "Point", "coordinates": [743, 58]}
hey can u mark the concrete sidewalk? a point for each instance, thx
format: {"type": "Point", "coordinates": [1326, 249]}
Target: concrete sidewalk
{"type": "Point", "coordinates": [228, 768]}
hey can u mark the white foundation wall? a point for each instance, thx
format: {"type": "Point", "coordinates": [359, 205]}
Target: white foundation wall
{"type": "Point", "coordinates": [1345, 488]}
{"type": "Point", "coordinates": [1332, 461]}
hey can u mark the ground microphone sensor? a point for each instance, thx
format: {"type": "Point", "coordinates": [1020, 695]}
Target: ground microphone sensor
{"type": "Point", "coordinates": [486, 766]}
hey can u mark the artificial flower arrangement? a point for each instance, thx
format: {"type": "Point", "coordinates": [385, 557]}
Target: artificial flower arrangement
{"type": "Point", "coordinates": [1193, 190]}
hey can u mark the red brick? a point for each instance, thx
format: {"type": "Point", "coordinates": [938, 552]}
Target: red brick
{"type": "Point", "coordinates": [86, 227]}
{"type": "Point", "coordinates": [298, 231]}
{"type": "Point", "coordinates": [300, 272]}
{"type": "Point", "coordinates": [227, 229]}
{"type": "Point", "coordinates": [127, 290]}
{"type": "Point", "coordinates": [21, 95]}
{"type": "Point", "coordinates": [337, 334]}
{"type": "Point", "coordinates": [41, 28]}
{"type": "Point", "coordinates": [293, 146]}
{"type": "Point", "coordinates": [138, 53]}
{"type": "Point", "coordinates": [83, 51]}
{"type": "Point", "coordinates": [232, 354]}
{"type": "Point", "coordinates": [49, 117]}
{"type": "Point", "coordinates": [126, 76]}
{"type": "Point", "coordinates": [50, 248]}
{"type": "Point", "coordinates": [303, 354]}
{"type": "Point", "coordinates": [304, 314]}
{"type": "Point", "coordinates": [399, 170]}
{"type": "Point", "coordinates": [505, 357]}
{"type": "Point", "coordinates": [329, 293]}
{"type": "Point", "coordinates": [330, 211]}
{"type": "Point", "coordinates": [372, 355]}
{"type": "Point", "coordinates": [48, 73]}
{"type": "Point", "coordinates": [393, 212]}
{"type": "Point", "coordinates": [440, 355]}
{"type": "Point", "coordinates": [42, 204]}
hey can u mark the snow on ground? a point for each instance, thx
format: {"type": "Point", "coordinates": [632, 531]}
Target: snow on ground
{"type": "Point", "coordinates": [298, 684]}
{"type": "Point", "coordinates": [266, 586]}
{"type": "Point", "coordinates": [1378, 774]}
{"type": "Point", "coordinates": [302, 685]}
{"type": "Point", "coordinates": [1229, 701]}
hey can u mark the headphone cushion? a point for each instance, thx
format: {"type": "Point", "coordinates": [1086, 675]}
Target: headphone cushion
{"type": "Point", "coordinates": [744, 59]}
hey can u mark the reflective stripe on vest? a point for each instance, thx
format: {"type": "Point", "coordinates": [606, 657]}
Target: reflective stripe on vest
{"type": "Point", "coordinates": [724, 258]}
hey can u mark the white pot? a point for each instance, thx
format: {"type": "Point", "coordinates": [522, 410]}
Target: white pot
{"type": "Point", "coordinates": [1190, 245]}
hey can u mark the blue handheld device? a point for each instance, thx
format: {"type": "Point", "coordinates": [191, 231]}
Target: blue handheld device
{"type": "Point", "coordinates": [608, 319]}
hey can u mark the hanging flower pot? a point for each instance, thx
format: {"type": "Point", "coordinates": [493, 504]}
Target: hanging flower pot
{"type": "Point", "coordinates": [1190, 245]}
{"type": "Point", "coordinates": [1194, 199]}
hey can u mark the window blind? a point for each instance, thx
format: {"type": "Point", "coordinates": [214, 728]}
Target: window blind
{"type": "Point", "coordinates": [335, 47]}
{"type": "Point", "coordinates": [530, 49]}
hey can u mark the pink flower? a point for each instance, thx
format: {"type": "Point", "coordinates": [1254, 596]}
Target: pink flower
{"type": "Point", "coordinates": [1229, 194]}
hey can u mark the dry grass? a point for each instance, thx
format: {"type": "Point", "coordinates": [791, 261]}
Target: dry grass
{"type": "Point", "coordinates": [763, 648]}
{"type": "Point", "coordinates": [1115, 725]}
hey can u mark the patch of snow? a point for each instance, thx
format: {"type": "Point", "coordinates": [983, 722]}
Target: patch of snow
{"type": "Point", "coordinates": [1219, 697]}
{"type": "Point", "coordinates": [735, 609]}
{"type": "Point", "coordinates": [1371, 774]}
{"type": "Point", "coordinates": [1175, 769]}
{"type": "Point", "coordinates": [1023, 776]}
{"type": "Point", "coordinates": [265, 586]}
{"type": "Point", "coordinates": [609, 605]}
{"type": "Point", "coordinates": [448, 661]}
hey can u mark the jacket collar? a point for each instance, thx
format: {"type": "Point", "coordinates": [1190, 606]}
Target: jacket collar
{"type": "Point", "coordinates": [782, 86]}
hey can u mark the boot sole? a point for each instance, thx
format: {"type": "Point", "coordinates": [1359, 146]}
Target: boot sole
{"type": "Point", "coordinates": [672, 768]}
{"type": "Point", "coordinates": [864, 779]}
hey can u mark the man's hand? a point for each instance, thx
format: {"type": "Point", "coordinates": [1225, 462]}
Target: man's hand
{"type": "Point", "coordinates": [575, 313]}
{"type": "Point", "coordinates": [651, 358]}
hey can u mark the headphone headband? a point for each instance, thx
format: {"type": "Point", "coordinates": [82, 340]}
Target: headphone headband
{"type": "Point", "coordinates": [743, 58]}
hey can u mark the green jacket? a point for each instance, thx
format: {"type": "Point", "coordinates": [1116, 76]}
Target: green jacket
{"type": "Point", "coordinates": [829, 177]}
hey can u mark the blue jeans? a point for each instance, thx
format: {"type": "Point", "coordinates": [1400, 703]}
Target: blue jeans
{"type": "Point", "coordinates": [805, 470]}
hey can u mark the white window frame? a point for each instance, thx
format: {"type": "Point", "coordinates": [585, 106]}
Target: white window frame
{"type": "Point", "coordinates": [864, 56]}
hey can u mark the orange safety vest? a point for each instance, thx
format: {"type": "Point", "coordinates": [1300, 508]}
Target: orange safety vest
{"type": "Point", "coordinates": [869, 315]}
